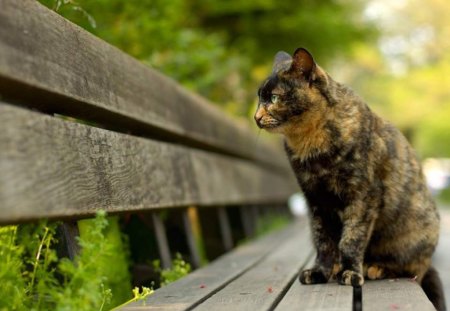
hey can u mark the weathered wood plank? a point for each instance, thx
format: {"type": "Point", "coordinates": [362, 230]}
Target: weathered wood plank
{"type": "Point", "coordinates": [53, 65]}
{"type": "Point", "coordinates": [398, 294]}
{"type": "Point", "coordinates": [330, 296]}
{"type": "Point", "coordinates": [261, 287]}
{"type": "Point", "coordinates": [201, 284]}
{"type": "Point", "coordinates": [55, 168]}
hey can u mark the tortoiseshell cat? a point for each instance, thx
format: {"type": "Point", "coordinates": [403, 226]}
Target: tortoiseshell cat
{"type": "Point", "coordinates": [370, 211]}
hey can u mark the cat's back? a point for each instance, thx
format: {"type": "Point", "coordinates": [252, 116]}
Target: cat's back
{"type": "Point", "coordinates": [399, 170]}
{"type": "Point", "coordinates": [408, 220]}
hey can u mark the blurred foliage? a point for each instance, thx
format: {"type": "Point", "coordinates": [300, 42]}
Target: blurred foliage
{"type": "Point", "coordinates": [394, 53]}
{"type": "Point", "coordinates": [443, 198]}
{"type": "Point", "coordinates": [271, 222]}
{"type": "Point", "coordinates": [405, 77]}
{"type": "Point", "coordinates": [220, 48]}
{"type": "Point", "coordinates": [179, 269]}
{"type": "Point", "coordinates": [12, 284]}
{"type": "Point", "coordinates": [117, 276]}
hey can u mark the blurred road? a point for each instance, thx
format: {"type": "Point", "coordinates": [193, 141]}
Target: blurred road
{"type": "Point", "coordinates": [441, 258]}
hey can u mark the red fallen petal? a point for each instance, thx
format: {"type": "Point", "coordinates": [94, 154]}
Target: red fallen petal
{"type": "Point", "coordinates": [202, 285]}
{"type": "Point", "coordinates": [270, 289]}
{"type": "Point", "coordinates": [394, 307]}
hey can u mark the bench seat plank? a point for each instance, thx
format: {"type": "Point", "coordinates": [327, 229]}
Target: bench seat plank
{"type": "Point", "coordinates": [56, 168]}
{"type": "Point", "coordinates": [394, 294]}
{"type": "Point", "coordinates": [261, 287]}
{"type": "Point", "coordinates": [330, 296]}
{"type": "Point", "coordinates": [201, 284]}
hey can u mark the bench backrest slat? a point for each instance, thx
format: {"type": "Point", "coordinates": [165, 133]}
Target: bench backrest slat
{"type": "Point", "coordinates": [48, 63]}
{"type": "Point", "coordinates": [55, 168]}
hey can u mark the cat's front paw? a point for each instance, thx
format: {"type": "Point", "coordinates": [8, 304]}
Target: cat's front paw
{"type": "Point", "coordinates": [375, 272]}
{"type": "Point", "coordinates": [349, 277]}
{"type": "Point", "coordinates": [312, 276]}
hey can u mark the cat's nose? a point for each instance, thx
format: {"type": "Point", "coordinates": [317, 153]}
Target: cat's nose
{"type": "Point", "coordinates": [258, 120]}
{"type": "Point", "coordinates": [258, 116]}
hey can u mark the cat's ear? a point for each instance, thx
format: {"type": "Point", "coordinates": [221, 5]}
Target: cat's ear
{"type": "Point", "coordinates": [281, 61]}
{"type": "Point", "coordinates": [303, 63]}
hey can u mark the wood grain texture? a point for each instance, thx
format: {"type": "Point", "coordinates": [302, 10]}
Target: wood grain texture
{"type": "Point", "coordinates": [263, 285]}
{"type": "Point", "coordinates": [330, 297]}
{"type": "Point", "coordinates": [398, 294]}
{"type": "Point", "coordinates": [196, 287]}
{"type": "Point", "coordinates": [55, 168]}
{"type": "Point", "coordinates": [48, 63]}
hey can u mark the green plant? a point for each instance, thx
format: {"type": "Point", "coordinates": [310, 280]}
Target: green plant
{"type": "Point", "coordinates": [71, 5]}
{"type": "Point", "coordinates": [84, 278]}
{"type": "Point", "coordinates": [27, 269]}
{"type": "Point", "coordinates": [179, 269]}
{"type": "Point", "coordinates": [12, 285]}
{"type": "Point", "coordinates": [33, 278]}
{"type": "Point", "coordinates": [137, 296]}
{"type": "Point", "coordinates": [112, 260]}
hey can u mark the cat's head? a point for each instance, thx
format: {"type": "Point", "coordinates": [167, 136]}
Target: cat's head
{"type": "Point", "coordinates": [292, 94]}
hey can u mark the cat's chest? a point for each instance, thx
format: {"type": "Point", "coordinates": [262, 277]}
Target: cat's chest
{"type": "Point", "coordinates": [312, 172]}
{"type": "Point", "coordinates": [325, 193]}
{"type": "Point", "coordinates": [325, 176]}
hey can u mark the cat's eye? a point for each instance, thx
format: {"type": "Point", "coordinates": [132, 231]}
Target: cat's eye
{"type": "Point", "coordinates": [274, 98]}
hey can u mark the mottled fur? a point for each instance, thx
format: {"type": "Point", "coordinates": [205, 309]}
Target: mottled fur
{"type": "Point", "coordinates": [370, 211]}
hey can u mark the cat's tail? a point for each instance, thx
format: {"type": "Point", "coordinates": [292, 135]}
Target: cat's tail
{"type": "Point", "coordinates": [432, 286]}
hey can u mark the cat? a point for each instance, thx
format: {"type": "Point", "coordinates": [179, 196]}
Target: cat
{"type": "Point", "coordinates": [370, 211]}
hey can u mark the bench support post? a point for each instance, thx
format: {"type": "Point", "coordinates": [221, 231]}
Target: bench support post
{"type": "Point", "coordinates": [161, 238]}
{"type": "Point", "coordinates": [69, 232]}
{"type": "Point", "coordinates": [190, 236]}
{"type": "Point", "coordinates": [225, 228]}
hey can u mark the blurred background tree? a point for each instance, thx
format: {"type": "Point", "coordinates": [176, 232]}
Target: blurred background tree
{"type": "Point", "coordinates": [405, 75]}
{"type": "Point", "coordinates": [220, 48]}
{"type": "Point", "coordinates": [393, 52]}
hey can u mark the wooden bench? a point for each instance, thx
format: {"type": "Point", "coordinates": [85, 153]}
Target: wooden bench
{"type": "Point", "coordinates": [263, 276]}
{"type": "Point", "coordinates": [84, 127]}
